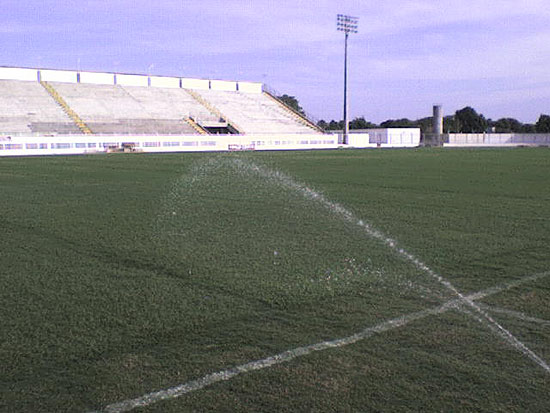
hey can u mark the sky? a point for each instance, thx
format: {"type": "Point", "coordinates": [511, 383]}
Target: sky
{"type": "Point", "coordinates": [493, 55]}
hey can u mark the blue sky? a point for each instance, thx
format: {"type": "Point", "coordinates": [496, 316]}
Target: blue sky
{"type": "Point", "coordinates": [409, 54]}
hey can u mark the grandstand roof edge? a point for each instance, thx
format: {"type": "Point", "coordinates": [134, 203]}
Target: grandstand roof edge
{"type": "Point", "coordinates": [121, 73]}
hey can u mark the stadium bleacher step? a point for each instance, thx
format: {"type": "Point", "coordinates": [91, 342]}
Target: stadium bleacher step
{"type": "Point", "coordinates": [214, 110]}
{"type": "Point", "coordinates": [66, 108]}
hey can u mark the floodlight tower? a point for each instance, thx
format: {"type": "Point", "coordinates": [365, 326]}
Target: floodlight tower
{"type": "Point", "coordinates": [346, 24]}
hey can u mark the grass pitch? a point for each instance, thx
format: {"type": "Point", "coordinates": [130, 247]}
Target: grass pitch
{"type": "Point", "coordinates": [123, 275]}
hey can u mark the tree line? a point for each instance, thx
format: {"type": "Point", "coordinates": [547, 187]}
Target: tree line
{"type": "Point", "coordinates": [465, 120]}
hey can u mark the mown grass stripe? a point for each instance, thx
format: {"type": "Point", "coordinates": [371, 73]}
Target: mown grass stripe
{"type": "Point", "coordinates": [348, 216]}
{"type": "Point", "coordinates": [516, 314]}
{"type": "Point", "coordinates": [286, 356]}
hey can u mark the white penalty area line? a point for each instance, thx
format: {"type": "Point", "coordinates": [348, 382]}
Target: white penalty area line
{"type": "Point", "coordinates": [286, 356]}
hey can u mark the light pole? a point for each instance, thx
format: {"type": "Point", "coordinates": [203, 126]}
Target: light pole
{"type": "Point", "coordinates": [346, 24]}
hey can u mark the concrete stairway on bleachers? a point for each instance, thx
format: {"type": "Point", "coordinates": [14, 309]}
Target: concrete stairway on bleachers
{"type": "Point", "coordinates": [118, 109]}
{"type": "Point", "coordinates": [26, 107]}
{"type": "Point", "coordinates": [66, 108]}
{"type": "Point", "coordinates": [256, 113]}
{"type": "Point", "coordinates": [167, 103]}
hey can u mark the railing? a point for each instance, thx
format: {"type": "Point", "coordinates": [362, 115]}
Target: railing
{"type": "Point", "coordinates": [312, 119]}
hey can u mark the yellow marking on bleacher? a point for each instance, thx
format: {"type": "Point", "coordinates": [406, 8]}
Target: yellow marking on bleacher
{"type": "Point", "coordinates": [66, 108]}
{"type": "Point", "coordinates": [213, 109]}
{"type": "Point", "coordinates": [191, 122]}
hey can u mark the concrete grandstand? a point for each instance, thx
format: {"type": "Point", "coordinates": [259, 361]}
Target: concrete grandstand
{"type": "Point", "coordinates": [48, 112]}
{"type": "Point", "coordinates": [63, 102]}
{"type": "Point", "coordinates": [26, 107]}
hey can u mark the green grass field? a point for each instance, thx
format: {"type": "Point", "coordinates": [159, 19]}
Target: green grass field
{"type": "Point", "coordinates": [123, 275]}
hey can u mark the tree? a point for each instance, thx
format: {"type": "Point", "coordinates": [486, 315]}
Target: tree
{"type": "Point", "coordinates": [357, 123]}
{"type": "Point", "coordinates": [543, 124]}
{"type": "Point", "coordinates": [361, 123]}
{"type": "Point", "coordinates": [333, 125]}
{"type": "Point", "coordinates": [322, 124]}
{"type": "Point", "coordinates": [507, 125]}
{"type": "Point", "coordinates": [528, 128]}
{"type": "Point", "coordinates": [449, 124]}
{"type": "Point", "coordinates": [292, 102]}
{"type": "Point", "coordinates": [467, 120]}
{"type": "Point", "coordinates": [425, 124]}
{"type": "Point", "coordinates": [398, 123]}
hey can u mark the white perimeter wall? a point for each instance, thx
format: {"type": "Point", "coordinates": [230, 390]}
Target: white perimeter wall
{"type": "Point", "coordinates": [392, 138]}
{"type": "Point", "coordinates": [404, 136]}
{"type": "Point", "coordinates": [497, 139]}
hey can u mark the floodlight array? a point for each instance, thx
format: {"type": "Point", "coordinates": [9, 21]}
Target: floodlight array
{"type": "Point", "coordinates": [347, 24]}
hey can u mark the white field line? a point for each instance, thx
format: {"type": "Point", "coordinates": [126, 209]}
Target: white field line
{"type": "Point", "coordinates": [286, 356]}
{"type": "Point", "coordinates": [348, 216]}
{"type": "Point", "coordinates": [516, 314]}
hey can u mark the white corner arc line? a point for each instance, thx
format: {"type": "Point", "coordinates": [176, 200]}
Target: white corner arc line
{"type": "Point", "coordinates": [286, 356]}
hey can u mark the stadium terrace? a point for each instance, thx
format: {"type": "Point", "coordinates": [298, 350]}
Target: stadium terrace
{"type": "Point", "coordinates": [51, 112]}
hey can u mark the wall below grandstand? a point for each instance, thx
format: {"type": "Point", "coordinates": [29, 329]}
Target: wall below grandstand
{"type": "Point", "coordinates": [77, 145]}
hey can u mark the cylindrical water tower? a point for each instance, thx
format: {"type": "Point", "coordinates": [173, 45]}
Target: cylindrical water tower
{"type": "Point", "coordinates": [438, 121]}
